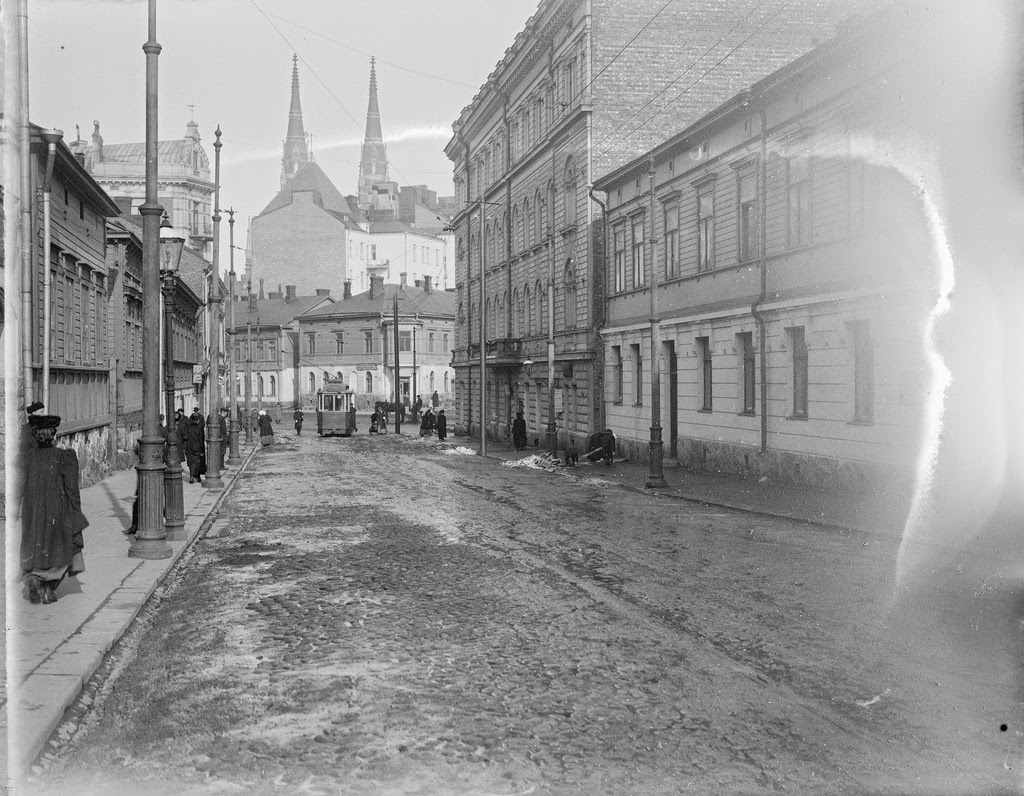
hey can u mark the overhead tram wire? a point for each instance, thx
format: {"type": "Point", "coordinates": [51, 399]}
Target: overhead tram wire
{"type": "Point", "coordinates": [356, 49]}
{"type": "Point", "coordinates": [682, 74]}
{"type": "Point", "coordinates": [330, 93]}
{"type": "Point", "coordinates": [694, 83]}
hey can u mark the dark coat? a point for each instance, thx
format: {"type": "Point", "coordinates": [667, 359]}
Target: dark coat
{"type": "Point", "coordinates": [266, 426]}
{"type": "Point", "coordinates": [519, 433]}
{"type": "Point", "coordinates": [52, 518]}
{"type": "Point", "coordinates": [442, 427]}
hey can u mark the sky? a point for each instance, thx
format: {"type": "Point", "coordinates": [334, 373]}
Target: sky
{"type": "Point", "coordinates": [229, 63]}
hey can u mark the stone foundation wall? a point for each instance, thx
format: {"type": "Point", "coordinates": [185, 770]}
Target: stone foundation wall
{"type": "Point", "coordinates": [93, 448]}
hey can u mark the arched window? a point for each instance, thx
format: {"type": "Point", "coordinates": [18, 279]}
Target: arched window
{"type": "Point", "coordinates": [543, 222]}
{"type": "Point", "coordinates": [432, 387]}
{"type": "Point", "coordinates": [369, 383]}
{"type": "Point", "coordinates": [312, 383]}
{"type": "Point", "coordinates": [570, 295]}
{"type": "Point", "coordinates": [489, 310]}
{"type": "Point", "coordinates": [570, 200]}
{"type": "Point", "coordinates": [259, 386]}
{"type": "Point", "coordinates": [520, 314]}
{"type": "Point", "coordinates": [517, 230]}
{"type": "Point", "coordinates": [529, 320]}
{"type": "Point", "coordinates": [531, 225]}
{"type": "Point", "coordinates": [542, 316]}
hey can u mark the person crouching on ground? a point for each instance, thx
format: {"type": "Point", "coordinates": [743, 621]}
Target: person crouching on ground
{"type": "Point", "coordinates": [266, 428]}
{"type": "Point", "coordinates": [51, 513]}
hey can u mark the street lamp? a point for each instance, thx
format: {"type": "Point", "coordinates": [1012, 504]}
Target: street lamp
{"type": "Point", "coordinates": [171, 244]}
{"type": "Point", "coordinates": [213, 478]}
{"type": "Point", "coordinates": [233, 457]}
{"type": "Point", "coordinates": [151, 538]}
{"type": "Point", "coordinates": [655, 475]}
{"type": "Point", "coordinates": [248, 366]}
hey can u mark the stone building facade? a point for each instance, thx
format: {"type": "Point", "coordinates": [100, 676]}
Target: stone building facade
{"type": "Point", "coordinates": [794, 268]}
{"type": "Point", "coordinates": [584, 87]}
{"type": "Point", "coordinates": [355, 338]}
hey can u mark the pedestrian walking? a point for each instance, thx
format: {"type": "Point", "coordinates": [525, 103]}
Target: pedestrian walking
{"type": "Point", "coordinates": [222, 422]}
{"type": "Point", "coordinates": [180, 421]}
{"type": "Point", "coordinates": [434, 400]}
{"type": "Point", "coordinates": [519, 432]}
{"type": "Point", "coordinates": [297, 417]}
{"type": "Point", "coordinates": [417, 408]}
{"type": "Point", "coordinates": [442, 426]}
{"type": "Point", "coordinates": [375, 423]}
{"type": "Point", "coordinates": [51, 511]}
{"type": "Point", "coordinates": [266, 428]}
{"type": "Point", "coordinates": [383, 422]}
{"type": "Point", "coordinates": [193, 442]}
{"type": "Point", "coordinates": [425, 425]}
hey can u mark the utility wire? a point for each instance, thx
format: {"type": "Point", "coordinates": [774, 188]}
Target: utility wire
{"type": "Point", "coordinates": [680, 75]}
{"type": "Point", "coordinates": [322, 83]}
{"type": "Point", "coordinates": [694, 83]}
{"type": "Point", "coordinates": [357, 50]}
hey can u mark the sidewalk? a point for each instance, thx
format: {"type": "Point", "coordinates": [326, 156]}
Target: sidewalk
{"type": "Point", "coordinates": [881, 513]}
{"type": "Point", "coordinates": [53, 650]}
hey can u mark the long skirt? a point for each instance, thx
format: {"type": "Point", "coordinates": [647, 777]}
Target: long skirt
{"type": "Point", "coordinates": [266, 439]}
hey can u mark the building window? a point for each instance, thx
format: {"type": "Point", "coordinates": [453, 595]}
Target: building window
{"type": "Point", "coordinates": [446, 382]}
{"type": "Point", "coordinates": [638, 253]}
{"type": "Point", "coordinates": [405, 340]}
{"type": "Point", "coordinates": [432, 387]}
{"type": "Point", "coordinates": [259, 386]}
{"type": "Point", "coordinates": [339, 340]}
{"type": "Point", "coordinates": [745, 346]}
{"type": "Point", "coordinates": [444, 342]}
{"type": "Point", "coordinates": [369, 382]}
{"type": "Point", "coordinates": [430, 342]}
{"type": "Point", "coordinates": [798, 346]}
{"type": "Point", "coordinates": [748, 217]}
{"type": "Point", "coordinates": [638, 374]}
{"type": "Point", "coordinates": [312, 383]}
{"type": "Point", "coordinates": [367, 342]}
{"type": "Point", "coordinates": [617, 373]}
{"type": "Point", "coordinates": [570, 296]}
{"type": "Point", "coordinates": [570, 82]}
{"type": "Point", "coordinates": [311, 343]}
{"type": "Point", "coordinates": [273, 386]}
{"type": "Point", "coordinates": [863, 372]}
{"type": "Point", "coordinates": [620, 258]}
{"type": "Point", "coordinates": [706, 373]}
{"type": "Point", "coordinates": [671, 241]}
{"type": "Point", "coordinates": [798, 190]}
{"type": "Point", "coordinates": [570, 210]}
{"type": "Point", "coordinates": [705, 230]}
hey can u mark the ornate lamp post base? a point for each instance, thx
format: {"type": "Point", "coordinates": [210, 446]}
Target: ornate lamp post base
{"type": "Point", "coordinates": [655, 478]}
{"type": "Point", "coordinates": [233, 456]}
{"type": "Point", "coordinates": [151, 541]}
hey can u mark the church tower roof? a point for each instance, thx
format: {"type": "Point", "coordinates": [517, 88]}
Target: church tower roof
{"type": "Point", "coordinates": [373, 165]}
{"type": "Point", "coordinates": [296, 151]}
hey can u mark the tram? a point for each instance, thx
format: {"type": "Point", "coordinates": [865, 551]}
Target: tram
{"type": "Point", "coordinates": [335, 410]}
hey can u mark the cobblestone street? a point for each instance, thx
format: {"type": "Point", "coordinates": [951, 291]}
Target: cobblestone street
{"type": "Point", "coordinates": [369, 615]}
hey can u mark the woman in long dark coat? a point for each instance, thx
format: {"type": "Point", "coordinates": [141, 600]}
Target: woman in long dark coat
{"type": "Point", "coordinates": [193, 443]}
{"type": "Point", "coordinates": [51, 511]}
{"type": "Point", "coordinates": [519, 432]}
{"type": "Point", "coordinates": [442, 426]}
{"type": "Point", "coordinates": [266, 428]}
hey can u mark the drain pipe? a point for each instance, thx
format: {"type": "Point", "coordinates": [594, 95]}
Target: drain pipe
{"type": "Point", "coordinates": [26, 199]}
{"type": "Point", "coordinates": [599, 320]}
{"type": "Point", "coordinates": [755, 307]}
{"type": "Point", "coordinates": [51, 137]}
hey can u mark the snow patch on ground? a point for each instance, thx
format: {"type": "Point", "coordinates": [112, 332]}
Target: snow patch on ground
{"type": "Point", "coordinates": [541, 461]}
{"type": "Point", "coordinates": [459, 450]}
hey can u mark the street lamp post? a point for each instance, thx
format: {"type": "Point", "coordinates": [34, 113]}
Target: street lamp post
{"type": "Point", "coordinates": [213, 477]}
{"type": "Point", "coordinates": [171, 244]}
{"type": "Point", "coordinates": [655, 477]}
{"type": "Point", "coordinates": [483, 339]}
{"type": "Point", "coordinates": [552, 435]}
{"type": "Point", "coordinates": [151, 538]}
{"type": "Point", "coordinates": [233, 457]}
{"type": "Point", "coordinates": [248, 368]}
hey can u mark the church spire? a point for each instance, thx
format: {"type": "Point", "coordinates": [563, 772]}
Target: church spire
{"type": "Point", "coordinates": [295, 151]}
{"type": "Point", "coordinates": [373, 165]}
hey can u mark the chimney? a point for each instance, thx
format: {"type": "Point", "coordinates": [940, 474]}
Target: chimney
{"type": "Point", "coordinates": [427, 286]}
{"type": "Point", "coordinates": [97, 143]}
{"type": "Point", "coordinates": [418, 283]}
{"type": "Point", "coordinates": [347, 294]}
{"type": "Point", "coordinates": [289, 293]}
{"type": "Point", "coordinates": [323, 291]}
{"type": "Point", "coordinates": [376, 286]}
{"type": "Point", "coordinates": [273, 294]}
{"type": "Point", "coordinates": [80, 157]}
{"type": "Point", "coordinates": [402, 279]}
{"type": "Point", "coordinates": [124, 203]}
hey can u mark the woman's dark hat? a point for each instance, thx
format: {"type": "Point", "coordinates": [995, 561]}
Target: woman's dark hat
{"type": "Point", "coordinates": [44, 421]}
{"type": "Point", "coordinates": [35, 407]}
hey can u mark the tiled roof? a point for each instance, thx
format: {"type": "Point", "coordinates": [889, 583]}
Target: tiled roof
{"type": "Point", "coordinates": [310, 177]}
{"type": "Point", "coordinates": [176, 151]}
{"type": "Point", "coordinates": [279, 312]}
{"type": "Point", "coordinates": [411, 300]}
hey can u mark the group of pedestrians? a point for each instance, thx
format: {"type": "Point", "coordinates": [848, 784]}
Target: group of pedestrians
{"type": "Point", "coordinates": [431, 422]}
